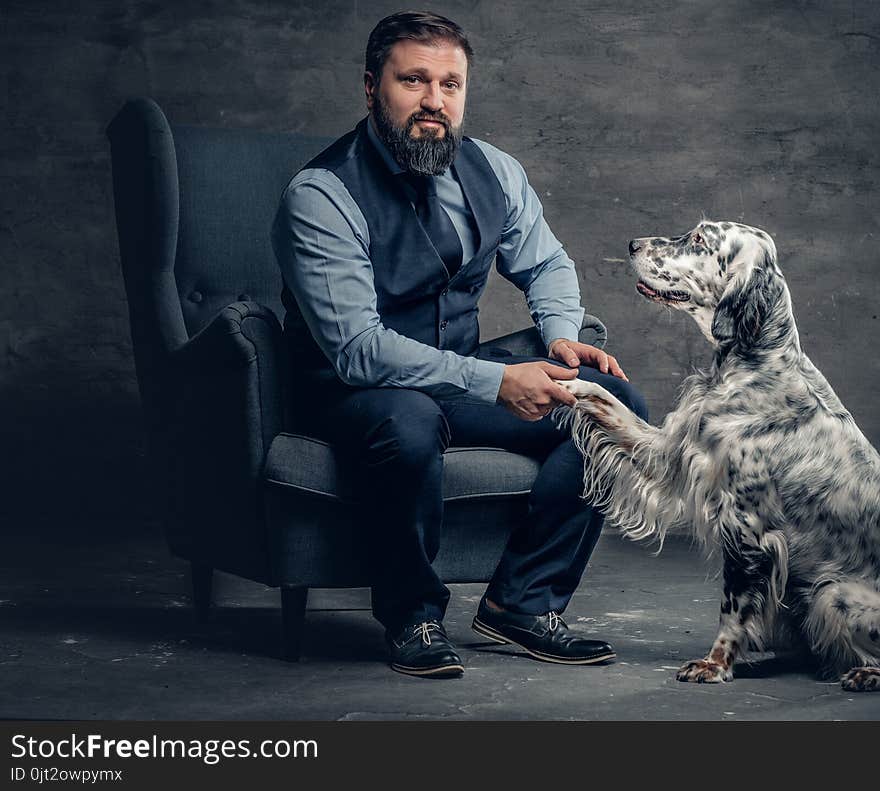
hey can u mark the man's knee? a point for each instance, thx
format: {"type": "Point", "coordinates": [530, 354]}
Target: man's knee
{"type": "Point", "coordinates": [632, 397]}
{"type": "Point", "coordinates": [623, 391]}
{"type": "Point", "coordinates": [412, 433]}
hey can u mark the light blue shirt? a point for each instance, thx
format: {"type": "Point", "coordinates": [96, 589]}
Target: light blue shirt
{"type": "Point", "coordinates": [322, 242]}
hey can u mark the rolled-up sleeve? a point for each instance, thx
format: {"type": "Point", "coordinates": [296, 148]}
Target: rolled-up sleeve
{"type": "Point", "coordinates": [321, 241]}
{"type": "Point", "coordinates": [532, 258]}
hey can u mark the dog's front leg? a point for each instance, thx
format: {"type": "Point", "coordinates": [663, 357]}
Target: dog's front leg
{"type": "Point", "coordinates": [628, 464]}
{"type": "Point", "coordinates": [754, 580]}
{"type": "Point", "coordinates": [608, 413]}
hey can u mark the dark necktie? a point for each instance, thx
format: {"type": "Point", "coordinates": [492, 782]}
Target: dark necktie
{"type": "Point", "coordinates": [436, 221]}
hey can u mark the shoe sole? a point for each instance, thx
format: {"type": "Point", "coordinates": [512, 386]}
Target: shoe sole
{"type": "Point", "coordinates": [487, 631]}
{"type": "Point", "coordinates": [439, 671]}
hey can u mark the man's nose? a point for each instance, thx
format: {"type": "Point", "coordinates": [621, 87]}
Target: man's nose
{"type": "Point", "coordinates": [634, 246]}
{"type": "Point", "coordinates": [432, 99]}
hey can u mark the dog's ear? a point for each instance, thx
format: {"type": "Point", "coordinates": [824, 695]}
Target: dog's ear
{"type": "Point", "coordinates": [746, 303]}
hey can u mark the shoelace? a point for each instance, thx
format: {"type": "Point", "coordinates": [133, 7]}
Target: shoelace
{"type": "Point", "coordinates": [424, 629]}
{"type": "Point", "coordinates": [554, 620]}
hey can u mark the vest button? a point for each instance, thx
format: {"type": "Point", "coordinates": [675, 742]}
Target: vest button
{"type": "Point", "coordinates": [443, 325]}
{"type": "Point", "coordinates": [196, 296]}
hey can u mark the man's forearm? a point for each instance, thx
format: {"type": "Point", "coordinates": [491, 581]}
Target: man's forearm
{"type": "Point", "coordinates": [553, 296]}
{"type": "Point", "coordinates": [380, 357]}
{"type": "Point", "coordinates": [533, 259]}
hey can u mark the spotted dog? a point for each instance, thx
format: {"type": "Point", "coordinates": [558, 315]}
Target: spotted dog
{"type": "Point", "coordinates": [759, 458]}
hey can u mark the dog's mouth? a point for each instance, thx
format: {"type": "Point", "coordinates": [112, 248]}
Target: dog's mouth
{"type": "Point", "coordinates": [661, 296]}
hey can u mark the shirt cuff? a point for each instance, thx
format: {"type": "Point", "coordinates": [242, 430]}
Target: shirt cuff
{"type": "Point", "coordinates": [486, 381]}
{"type": "Point", "coordinates": [553, 328]}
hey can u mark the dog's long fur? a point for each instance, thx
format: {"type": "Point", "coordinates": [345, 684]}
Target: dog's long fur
{"type": "Point", "coordinates": [759, 458]}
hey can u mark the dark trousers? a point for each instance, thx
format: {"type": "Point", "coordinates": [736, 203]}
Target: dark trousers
{"type": "Point", "coordinates": [397, 438]}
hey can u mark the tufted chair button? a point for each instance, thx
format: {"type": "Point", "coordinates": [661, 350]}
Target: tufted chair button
{"type": "Point", "coordinates": [244, 297]}
{"type": "Point", "coordinates": [196, 296]}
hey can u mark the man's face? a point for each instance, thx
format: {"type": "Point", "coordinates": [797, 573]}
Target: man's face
{"type": "Point", "coordinates": [418, 104]}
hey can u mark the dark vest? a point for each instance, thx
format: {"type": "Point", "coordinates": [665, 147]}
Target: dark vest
{"type": "Point", "coordinates": [415, 295]}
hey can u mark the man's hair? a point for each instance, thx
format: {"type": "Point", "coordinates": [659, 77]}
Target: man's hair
{"type": "Point", "coordinates": [420, 26]}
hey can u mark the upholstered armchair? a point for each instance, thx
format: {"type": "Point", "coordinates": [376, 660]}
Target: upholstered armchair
{"type": "Point", "coordinates": [240, 491]}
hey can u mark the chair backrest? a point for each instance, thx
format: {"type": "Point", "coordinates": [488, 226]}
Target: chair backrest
{"type": "Point", "coordinates": [194, 208]}
{"type": "Point", "coordinates": [230, 183]}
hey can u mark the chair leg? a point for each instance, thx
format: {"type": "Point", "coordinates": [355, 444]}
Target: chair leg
{"type": "Point", "coordinates": [293, 613]}
{"type": "Point", "coordinates": [202, 578]}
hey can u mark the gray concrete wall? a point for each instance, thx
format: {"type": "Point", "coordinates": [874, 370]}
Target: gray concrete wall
{"type": "Point", "coordinates": [631, 118]}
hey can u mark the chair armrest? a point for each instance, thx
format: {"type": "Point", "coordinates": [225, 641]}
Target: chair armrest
{"type": "Point", "coordinates": [528, 342]}
{"type": "Point", "coordinates": [225, 408]}
{"type": "Point", "coordinates": [227, 379]}
{"type": "Point", "coordinates": [593, 332]}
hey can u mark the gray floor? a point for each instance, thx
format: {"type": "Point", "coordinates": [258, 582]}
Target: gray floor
{"type": "Point", "coordinates": [103, 629]}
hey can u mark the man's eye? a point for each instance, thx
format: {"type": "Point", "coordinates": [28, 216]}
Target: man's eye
{"type": "Point", "coordinates": [412, 79]}
{"type": "Point", "coordinates": [451, 85]}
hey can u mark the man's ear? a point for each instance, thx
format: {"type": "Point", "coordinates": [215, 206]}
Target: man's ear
{"type": "Point", "coordinates": [370, 88]}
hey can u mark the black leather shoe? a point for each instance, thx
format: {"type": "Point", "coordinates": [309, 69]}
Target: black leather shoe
{"type": "Point", "coordinates": [423, 649]}
{"type": "Point", "coordinates": [544, 637]}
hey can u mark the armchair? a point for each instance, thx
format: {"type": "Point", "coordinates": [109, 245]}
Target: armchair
{"type": "Point", "coordinates": [239, 491]}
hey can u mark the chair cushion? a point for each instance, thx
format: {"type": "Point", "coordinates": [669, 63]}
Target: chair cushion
{"type": "Point", "coordinates": [312, 466]}
{"type": "Point", "coordinates": [316, 526]}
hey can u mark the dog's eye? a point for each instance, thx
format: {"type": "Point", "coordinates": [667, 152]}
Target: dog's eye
{"type": "Point", "coordinates": [697, 239]}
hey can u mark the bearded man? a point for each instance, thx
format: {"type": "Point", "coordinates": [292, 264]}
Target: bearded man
{"type": "Point", "coordinates": [385, 241]}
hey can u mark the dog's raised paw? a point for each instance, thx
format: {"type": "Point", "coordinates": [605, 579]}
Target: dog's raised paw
{"type": "Point", "coordinates": [581, 389]}
{"type": "Point", "coordinates": [591, 396]}
{"type": "Point", "coordinates": [862, 679]}
{"type": "Point", "coordinates": [702, 671]}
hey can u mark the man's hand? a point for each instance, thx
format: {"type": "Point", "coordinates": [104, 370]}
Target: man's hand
{"type": "Point", "coordinates": [529, 390]}
{"type": "Point", "coordinates": [574, 353]}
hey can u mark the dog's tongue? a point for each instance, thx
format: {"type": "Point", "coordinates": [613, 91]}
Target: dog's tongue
{"type": "Point", "coordinates": [646, 290]}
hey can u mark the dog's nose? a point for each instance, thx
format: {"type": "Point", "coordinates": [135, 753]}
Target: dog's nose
{"type": "Point", "coordinates": [634, 247]}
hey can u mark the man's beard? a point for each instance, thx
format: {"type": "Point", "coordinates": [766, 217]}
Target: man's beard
{"type": "Point", "coordinates": [427, 154]}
